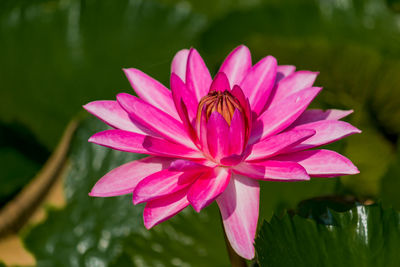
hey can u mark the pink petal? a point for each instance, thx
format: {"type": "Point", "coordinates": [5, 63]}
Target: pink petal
{"type": "Point", "coordinates": [137, 143]}
{"type": "Point", "coordinates": [312, 115]}
{"type": "Point", "coordinates": [181, 93]}
{"type": "Point", "coordinates": [179, 63]}
{"type": "Point", "coordinates": [220, 83]}
{"type": "Point", "coordinates": [123, 179]}
{"type": "Point", "coordinates": [161, 209]}
{"type": "Point", "coordinates": [279, 116]}
{"type": "Point", "coordinates": [208, 187]}
{"type": "Point", "coordinates": [284, 71]}
{"type": "Point", "coordinates": [292, 84]}
{"type": "Point", "coordinates": [217, 133]}
{"type": "Point", "coordinates": [151, 91]}
{"type": "Point", "coordinates": [111, 113]}
{"type": "Point", "coordinates": [183, 113]}
{"type": "Point", "coordinates": [258, 83]}
{"type": "Point", "coordinates": [276, 143]}
{"type": "Point", "coordinates": [161, 184]}
{"type": "Point", "coordinates": [237, 133]}
{"type": "Point", "coordinates": [198, 78]}
{"type": "Point", "coordinates": [327, 131]}
{"type": "Point", "coordinates": [232, 160]}
{"type": "Point", "coordinates": [155, 120]}
{"type": "Point", "coordinates": [236, 65]}
{"type": "Point", "coordinates": [321, 162]}
{"type": "Point", "coordinates": [244, 102]}
{"type": "Point", "coordinates": [201, 129]}
{"type": "Point", "coordinates": [239, 205]}
{"type": "Point", "coordinates": [182, 165]}
{"type": "Point", "coordinates": [272, 170]}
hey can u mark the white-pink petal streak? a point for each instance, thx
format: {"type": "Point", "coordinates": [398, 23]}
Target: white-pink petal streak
{"type": "Point", "coordinates": [123, 179]}
{"type": "Point", "coordinates": [239, 210]}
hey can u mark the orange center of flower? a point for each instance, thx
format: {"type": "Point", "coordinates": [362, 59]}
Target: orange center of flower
{"type": "Point", "coordinates": [222, 102]}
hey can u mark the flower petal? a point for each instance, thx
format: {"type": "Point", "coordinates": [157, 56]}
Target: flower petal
{"type": "Point", "coordinates": [208, 187]}
{"type": "Point", "coordinates": [111, 113]}
{"type": "Point", "coordinates": [182, 165]}
{"type": "Point", "coordinates": [236, 65]}
{"type": "Point", "coordinates": [284, 71]}
{"type": "Point", "coordinates": [161, 184]}
{"type": "Point", "coordinates": [161, 209]}
{"type": "Point", "coordinates": [179, 63]}
{"type": "Point", "coordinates": [151, 91]}
{"type": "Point", "coordinates": [198, 78]}
{"type": "Point", "coordinates": [220, 83]}
{"type": "Point", "coordinates": [279, 116]}
{"type": "Point", "coordinates": [292, 84]}
{"type": "Point", "coordinates": [321, 162]}
{"type": "Point", "coordinates": [217, 133]}
{"type": "Point", "coordinates": [273, 170]}
{"type": "Point", "coordinates": [276, 143]}
{"type": "Point", "coordinates": [154, 119]}
{"type": "Point", "coordinates": [244, 102]}
{"type": "Point", "coordinates": [201, 129]}
{"type": "Point", "coordinates": [312, 115]}
{"type": "Point", "coordinates": [237, 133]}
{"type": "Point", "coordinates": [239, 206]}
{"type": "Point", "coordinates": [327, 131]}
{"type": "Point", "coordinates": [137, 143]}
{"type": "Point", "coordinates": [181, 93]}
{"type": "Point", "coordinates": [123, 179]}
{"type": "Point", "coordinates": [258, 83]}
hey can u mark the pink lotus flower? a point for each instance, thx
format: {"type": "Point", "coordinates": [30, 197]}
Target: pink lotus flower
{"type": "Point", "coordinates": [214, 139]}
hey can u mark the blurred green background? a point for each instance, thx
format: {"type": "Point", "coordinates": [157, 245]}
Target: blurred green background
{"type": "Point", "coordinates": [57, 55]}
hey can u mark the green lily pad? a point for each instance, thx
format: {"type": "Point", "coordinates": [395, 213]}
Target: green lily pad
{"type": "Point", "coordinates": [361, 236]}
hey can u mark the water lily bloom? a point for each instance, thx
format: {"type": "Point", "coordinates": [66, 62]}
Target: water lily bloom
{"type": "Point", "coordinates": [216, 138]}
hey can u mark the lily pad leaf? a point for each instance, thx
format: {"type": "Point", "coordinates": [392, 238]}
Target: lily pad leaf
{"type": "Point", "coordinates": [361, 236]}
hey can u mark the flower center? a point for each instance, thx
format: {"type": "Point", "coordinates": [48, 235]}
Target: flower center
{"type": "Point", "coordinates": [222, 102]}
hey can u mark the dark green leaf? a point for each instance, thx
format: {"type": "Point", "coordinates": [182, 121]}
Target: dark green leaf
{"type": "Point", "coordinates": [21, 156]}
{"type": "Point", "coordinates": [17, 170]}
{"type": "Point", "coordinates": [362, 236]}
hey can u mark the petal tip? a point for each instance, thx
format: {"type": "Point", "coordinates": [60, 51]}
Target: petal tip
{"type": "Point", "coordinates": [87, 106]}
{"type": "Point", "coordinates": [97, 192]}
{"type": "Point", "coordinates": [136, 200]}
{"type": "Point", "coordinates": [128, 70]}
{"type": "Point", "coordinates": [92, 139]}
{"type": "Point", "coordinates": [243, 47]}
{"type": "Point", "coordinates": [352, 169]}
{"type": "Point", "coordinates": [197, 208]}
{"type": "Point", "coordinates": [195, 204]}
{"type": "Point", "coordinates": [148, 225]}
{"type": "Point", "coordinates": [248, 255]}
